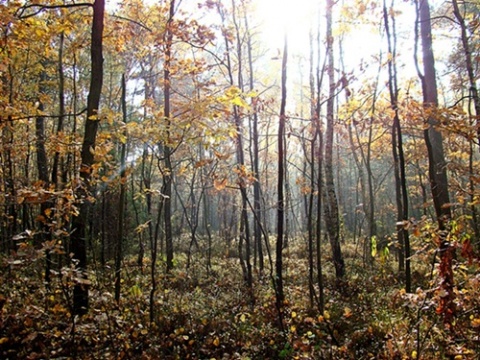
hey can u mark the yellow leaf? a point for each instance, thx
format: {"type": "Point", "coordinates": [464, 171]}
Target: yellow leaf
{"type": "Point", "coordinates": [414, 354]}
{"type": "Point", "coordinates": [3, 340]}
{"type": "Point", "coordinates": [122, 138]}
{"type": "Point", "coordinates": [347, 312]}
{"type": "Point", "coordinates": [232, 133]}
{"type": "Point", "coordinates": [243, 318]}
{"type": "Point", "coordinates": [476, 322]}
{"type": "Point", "coordinates": [48, 212]}
{"type": "Point", "coordinates": [326, 315]}
{"type": "Point", "coordinates": [216, 341]}
{"type": "Point", "coordinates": [239, 102]}
{"type": "Point", "coordinates": [293, 328]}
{"type": "Point", "coordinates": [294, 314]}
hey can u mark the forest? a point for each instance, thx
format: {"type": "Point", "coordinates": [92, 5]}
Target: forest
{"type": "Point", "coordinates": [239, 179]}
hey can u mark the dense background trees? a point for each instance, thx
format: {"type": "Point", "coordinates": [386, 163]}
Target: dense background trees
{"type": "Point", "coordinates": [149, 150]}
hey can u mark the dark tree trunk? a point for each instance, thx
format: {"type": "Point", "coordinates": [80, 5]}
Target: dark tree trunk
{"type": "Point", "coordinates": [475, 98]}
{"type": "Point", "coordinates": [121, 202]}
{"type": "Point", "coordinates": [399, 159]}
{"type": "Point", "coordinates": [79, 225]}
{"type": "Point", "coordinates": [437, 169]}
{"type": "Point", "coordinates": [10, 226]}
{"type": "Point", "coordinates": [256, 173]}
{"type": "Point", "coordinates": [61, 107]}
{"type": "Point", "coordinates": [42, 168]}
{"type": "Point", "coordinates": [469, 64]}
{"type": "Point", "coordinates": [167, 150]}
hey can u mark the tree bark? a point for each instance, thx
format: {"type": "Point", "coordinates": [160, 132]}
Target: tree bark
{"type": "Point", "coordinates": [167, 150]}
{"type": "Point", "coordinates": [79, 225]}
{"type": "Point", "coordinates": [42, 169]}
{"type": "Point", "coordinates": [469, 64]}
{"type": "Point", "coordinates": [121, 202]}
{"type": "Point", "coordinates": [331, 204]}
{"type": "Point", "coordinates": [280, 187]}
{"type": "Point", "coordinates": [437, 165]}
{"type": "Point", "coordinates": [398, 155]}
{"type": "Point", "coordinates": [256, 172]}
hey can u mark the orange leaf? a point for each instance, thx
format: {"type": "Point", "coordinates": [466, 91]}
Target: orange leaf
{"type": "Point", "coordinates": [220, 184]}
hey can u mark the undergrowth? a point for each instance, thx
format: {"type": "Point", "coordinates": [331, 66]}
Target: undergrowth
{"type": "Point", "coordinates": [202, 313]}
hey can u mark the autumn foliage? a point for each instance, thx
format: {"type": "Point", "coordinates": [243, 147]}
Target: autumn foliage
{"type": "Point", "coordinates": [180, 181]}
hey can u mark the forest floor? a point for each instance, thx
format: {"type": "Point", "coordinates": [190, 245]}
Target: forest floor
{"type": "Point", "coordinates": [200, 314]}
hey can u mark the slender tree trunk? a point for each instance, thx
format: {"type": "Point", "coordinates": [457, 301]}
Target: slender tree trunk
{"type": "Point", "coordinates": [331, 205]}
{"type": "Point", "coordinates": [474, 96]}
{"type": "Point", "coordinates": [61, 107]}
{"type": "Point", "coordinates": [280, 187]}
{"type": "Point", "coordinates": [437, 169]}
{"type": "Point", "coordinates": [309, 151]}
{"type": "Point", "coordinates": [121, 202]}
{"type": "Point", "coordinates": [42, 168]}
{"type": "Point", "coordinates": [79, 225]}
{"type": "Point", "coordinates": [167, 150]}
{"type": "Point", "coordinates": [319, 154]}
{"type": "Point", "coordinates": [399, 159]}
{"type": "Point", "coordinates": [256, 173]}
{"type": "Point", "coordinates": [10, 227]}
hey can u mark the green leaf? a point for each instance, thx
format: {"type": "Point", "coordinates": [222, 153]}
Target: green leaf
{"type": "Point", "coordinates": [373, 242]}
{"type": "Point", "coordinates": [136, 291]}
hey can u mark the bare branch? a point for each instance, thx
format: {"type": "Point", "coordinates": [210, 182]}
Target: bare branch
{"type": "Point", "coordinates": [38, 8]}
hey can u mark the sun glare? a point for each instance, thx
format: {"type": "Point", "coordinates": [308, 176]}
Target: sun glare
{"type": "Point", "coordinates": [293, 17]}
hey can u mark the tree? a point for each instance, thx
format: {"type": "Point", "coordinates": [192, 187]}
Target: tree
{"type": "Point", "coordinates": [331, 204]}
{"type": "Point", "coordinates": [397, 149]}
{"type": "Point", "coordinates": [280, 296]}
{"type": "Point", "coordinates": [437, 168]}
{"type": "Point", "coordinates": [121, 202]}
{"type": "Point", "coordinates": [79, 224]}
{"type": "Point", "coordinates": [255, 153]}
{"type": "Point", "coordinates": [467, 50]}
{"type": "Point", "coordinates": [167, 150]}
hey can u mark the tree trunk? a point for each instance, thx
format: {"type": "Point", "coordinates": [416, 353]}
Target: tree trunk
{"type": "Point", "coordinates": [79, 225]}
{"type": "Point", "coordinates": [42, 168]}
{"type": "Point", "coordinates": [331, 204]}
{"type": "Point", "coordinates": [121, 202]}
{"type": "Point", "coordinates": [437, 165]}
{"type": "Point", "coordinates": [399, 159]}
{"type": "Point", "coordinates": [167, 150]}
{"type": "Point", "coordinates": [469, 64]}
{"type": "Point", "coordinates": [256, 173]}
{"type": "Point", "coordinates": [475, 98]}
{"type": "Point", "coordinates": [10, 226]}
{"type": "Point", "coordinates": [61, 107]}
{"type": "Point", "coordinates": [280, 187]}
